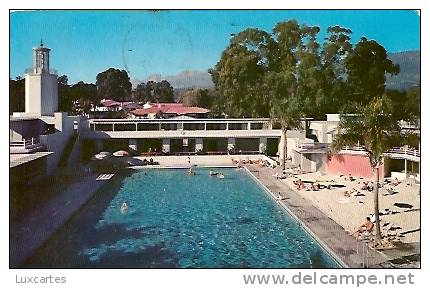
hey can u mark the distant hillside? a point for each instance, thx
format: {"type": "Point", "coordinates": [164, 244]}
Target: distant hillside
{"type": "Point", "coordinates": [184, 79]}
{"type": "Point", "coordinates": [409, 76]}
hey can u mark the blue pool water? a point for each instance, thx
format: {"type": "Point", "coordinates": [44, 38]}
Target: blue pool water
{"type": "Point", "coordinates": [176, 220]}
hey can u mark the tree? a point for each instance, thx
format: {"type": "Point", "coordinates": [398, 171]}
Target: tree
{"type": "Point", "coordinates": [288, 112]}
{"type": "Point", "coordinates": [336, 49]}
{"type": "Point", "coordinates": [309, 71]}
{"type": "Point", "coordinates": [63, 80]}
{"type": "Point", "coordinates": [377, 130]}
{"type": "Point", "coordinates": [376, 127]}
{"type": "Point", "coordinates": [142, 93]}
{"type": "Point", "coordinates": [163, 92]}
{"type": "Point", "coordinates": [198, 97]}
{"type": "Point", "coordinates": [160, 92]}
{"type": "Point", "coordinates": [413, 104]}
{"type": "Point", "coordinates": [239, 74]}
{"type": "Point", "coordinates": [366, 67]}
{"type": "Point", "coordinates": [65, 100]}
{"type": "Point", "coordinates": [86, 93]}
{"type": "Point", "coordinates": [113, 84]}
{"type": "Point", "coordinates": [286, 82]}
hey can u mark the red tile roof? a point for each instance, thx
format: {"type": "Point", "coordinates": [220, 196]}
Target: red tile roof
{"type": "Point", "coordinates": [145, 111]}
{"type": "Point", "coordinates": [182, 110]}
{"type": "Point", "coordinates": [109, 103]}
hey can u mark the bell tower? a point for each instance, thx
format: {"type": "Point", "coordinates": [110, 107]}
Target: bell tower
{"type": "Point", "coordinates": [41, 87]}
{"type": "Point", "coordinates": [41, 59]}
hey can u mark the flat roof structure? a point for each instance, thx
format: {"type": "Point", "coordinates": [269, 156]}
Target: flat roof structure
{"type": "Point", "coordinates": [19, 159]}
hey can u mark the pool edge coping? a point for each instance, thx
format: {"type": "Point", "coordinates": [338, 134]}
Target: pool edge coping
{"type": "Point", "coordinates": [301, 223]}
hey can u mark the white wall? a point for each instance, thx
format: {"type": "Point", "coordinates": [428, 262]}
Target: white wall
{"type": "Point", "coordinates": [33, 90]}
{"type": "Point", "coordinates": [49, 94]}
{"type": "Point", "coordinates": [333, 117]}
{"type": "Point", "coordinates": [57, 141]}
{"type": "Point", "coordinates": [41, 94]}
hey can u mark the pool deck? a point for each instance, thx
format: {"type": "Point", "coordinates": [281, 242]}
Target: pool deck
{"type": "Point", "coordinates": [33, 230]}
{"type": "Point", "coordinates": [345, 248]}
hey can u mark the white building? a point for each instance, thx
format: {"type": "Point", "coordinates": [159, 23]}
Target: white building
{"type": "Point", "coordinates": [41, 87]}
{"type": "Point", "coordinates": [40, 134]}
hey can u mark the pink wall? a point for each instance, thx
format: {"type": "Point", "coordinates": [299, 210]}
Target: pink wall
{"type": "Point", "coordinates": [356, 165]}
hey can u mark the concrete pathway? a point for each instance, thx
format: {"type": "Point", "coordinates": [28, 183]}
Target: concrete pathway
{"type": "Point", "coordinates": [31, 232]}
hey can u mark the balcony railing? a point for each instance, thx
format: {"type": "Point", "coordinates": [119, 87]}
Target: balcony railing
{"type": "Point", "coordinates": [33, 71]}
{"type": "Point", "coordinates": [402, 150]}
{"type": "Point", "coordinates": [354, 148]}
{"type": "Point", "coordinates": [311, 146]}
{"type": "Point", "coordinates": [112, 125]}
{"type": "Point", "coordinates": [26, 143]}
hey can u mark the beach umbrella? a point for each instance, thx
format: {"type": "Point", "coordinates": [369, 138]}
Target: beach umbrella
{"type": "Point", "coordinates": [120, 153]}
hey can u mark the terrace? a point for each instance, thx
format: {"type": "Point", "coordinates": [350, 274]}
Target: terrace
{"type": "Point", "coordinates": [180, 128]}
{"type": "Point", "coordinates": [26, 145]}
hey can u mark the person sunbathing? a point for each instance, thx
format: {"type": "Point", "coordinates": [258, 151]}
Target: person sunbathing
{"type": "Point", "coordinates": [301, 184]}
{"type": "Point", "coordinates": [366, 226]}
{"type": "Point", "coordinates": [261, 162]}
{"type": "Point", "coordinates": [315, 186]}
{"type": "Point", "coordinates": [279, 197]}
{"type": "Point", "coordinates": [279, 176]}
{"type": "Point", "coordinates": [395, 182]}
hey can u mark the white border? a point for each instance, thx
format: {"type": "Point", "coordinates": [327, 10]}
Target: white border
{"type": "Point", "coordinates": [201, 277]}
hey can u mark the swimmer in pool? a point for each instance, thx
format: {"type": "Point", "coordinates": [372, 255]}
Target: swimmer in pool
{"type": "Point", "coordinates": [220, 176]}
{"type": "Point", "coordinates": [212, 173]}
{"type": "Point", "coordinates": [190, 171]}
{"type": "Point", "coordinates": [123, 208]}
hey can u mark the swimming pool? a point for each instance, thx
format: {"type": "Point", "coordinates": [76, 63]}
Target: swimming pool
{"type": "Point", "coordinates": [176, 220]}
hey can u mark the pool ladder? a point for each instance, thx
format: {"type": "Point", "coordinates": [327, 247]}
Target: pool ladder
{"type": "Point", "coordinates": [364, 249]}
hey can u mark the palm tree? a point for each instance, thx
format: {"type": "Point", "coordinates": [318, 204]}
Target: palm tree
{"type": "Point", "coordinates": [375, 129]}
{"type": "Point", "coordinates": [286, 111]}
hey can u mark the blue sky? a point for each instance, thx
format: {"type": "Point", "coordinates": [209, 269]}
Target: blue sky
{"type": "Point", "coordinates": [85, 43]}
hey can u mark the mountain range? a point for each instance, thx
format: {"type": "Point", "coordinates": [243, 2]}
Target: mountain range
{"type": "Point", "coordinates": [183, 80]}
{"type": "Point", "coordinates": [410, 70]}
{"type": "Point", "coordinates": [408, 77]}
